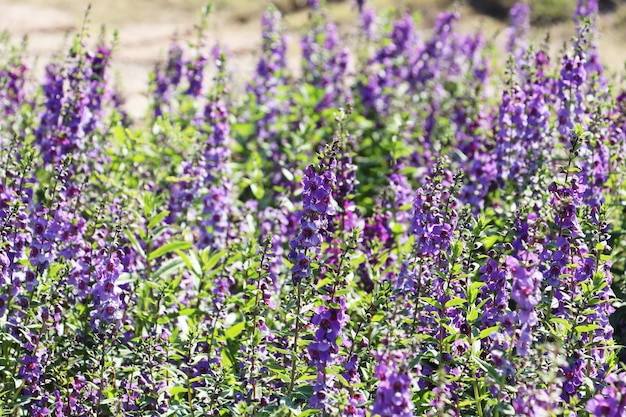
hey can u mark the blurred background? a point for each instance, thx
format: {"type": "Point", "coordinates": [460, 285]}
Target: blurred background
{"type": "Point", "coordinates": [146, 28]}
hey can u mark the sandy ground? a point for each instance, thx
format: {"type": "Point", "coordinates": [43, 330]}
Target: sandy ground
{"type": "Point", "coordinates": [146, 28]}
{"type": "Point", "coordinates": [144, 37]}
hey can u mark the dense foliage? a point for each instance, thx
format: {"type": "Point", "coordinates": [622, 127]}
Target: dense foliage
{"type": "Point", "coordinates": [404, 230]}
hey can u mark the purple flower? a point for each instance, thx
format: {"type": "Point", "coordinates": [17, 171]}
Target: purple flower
{"type": "Point", "coordinates": [600, 406]}
{"type": "Point", "coordinates": [325, 63]}
{"type": "Point", "coordinates": [323, 350]}
{"type": "Point", "coordinates": [611, 400]}
{"type": "Point", "coordinates": [525, 289]}
{"type": "Point", "coordinates": [195, 75]}
{"type": "Point", "coordinates": [319, 352]}
{"type": "Point", "coordinates": [393, 396]}
{"type": "Point", "coordinates": [520, 26]}
{"type": "Point", "coordinates": [318, 206]}
{"type": "Point", "coordinates": [302, 267]}
{"type": "Point", "coordinates": [215, 175]}
{"type": "Point", "coordinates": [13, 80]}
{"type": "Point", "coordinates": [585, 8]}
{"type": "Point", "coordinates": [368, 21]}
{"type": "Point", "coordinates": [434, 219]}
{"type": "Point", "coordinates": [308, 236]}
{"type": "Point", "coordinates": [166, 79]}
{"type": "Point", "coordinates": [270, 74]}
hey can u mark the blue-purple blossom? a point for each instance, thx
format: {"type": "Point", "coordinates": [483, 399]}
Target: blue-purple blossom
{"type": "Point", "coordinates": [393, 396]}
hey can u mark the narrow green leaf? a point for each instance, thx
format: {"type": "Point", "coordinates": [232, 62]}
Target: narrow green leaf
{"type": "Point", "coordinates": [487, 332]}
{"type": "Point", "coordinates": [486, 367]}
{"type": "Point", "coordinates": [157, 219]}
{"type": "Point", "coordinates": [309, 412]}
{"type": "Point", "coordinates": [432, 302]}
{"type": "Point", "coordinates": [191, 262]}
{"type": "Point", "coordinates": [126, 278]}
{"type": "Point", "coordinates": [134, 243]}
{"type": "Point", "coordinates": [583, 328]}
{"type": "Point", "coordinates": [457, 249]}
{"type": "Point", "coordinates": [473, 291]}
{"type": "Point", "coordinates": [288, 175]}
{"type": "Point", "coordinates": [456, 301]}
{"type": "Point", "coordinates": [213, 260]}
{"type": "Point", "coordinates": [177, 390]}
{"type": "Point", "coordinates": [167, 248]}
{"type": "Point", "coordinates": [235, 330]}
{"type": "Point", "coordinates": [169, 267]}
{"type": "Point", "coordinates": [257, 190]}
{"type": "Point", "coordinates": [558, 320]}
{"type": "Point", "coordinates": [472, 316]}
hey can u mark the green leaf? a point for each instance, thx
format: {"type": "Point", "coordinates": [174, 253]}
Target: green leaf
{"type": "Point", "coordinates": [187, 312]}
{"type": "Point", "coordinates": [571, 169]}
{"type": "Point", "coordinates": [473, 291]}
{"type": "Point", "coordinates": [235, 330]}
{"type": "Point", "coordinates": [134, 243]}
{"type": "Point", "coordinates": [177, 390]}
{"type": "Point", "coordinates": [170, 266]}
{"type": "Point", "coordinates": [456, 301]}
{"type": "Point", "coordinates": [489, 241]}
{"type": "Point", "coordinates": [472, 316]}
{"type": "Point", "coordinates": [487, 332]}
{"type": "Point", "coordinates": [287, 174]}
{"type": "Point", "coordinates": [309, 412]}
{"type": "Point", "coordinates": [505, 409]}
{"type": "Point", "coordinates": [167, 248]}
{"type": "Point", "coordinates": [486, 367]}
{"type": "Point", "coordinates": [432, 302]}
{"type": "Point", "coordinates": [583, 328]}
{"type": "Point", "coordinates": [457, 249]}
{"type": "Point", "coordinates": [157, 219]}
{"type": "Point", "coordinates": [257, 190]}
{"type": "Point", "coordinates": [213, 260]}
{"type": "Point", "coordinates": [192, 263]}
{"type": "Point", "coordinates": [126, 278]}
{"type": "Point", "coordinates": [558, 320]}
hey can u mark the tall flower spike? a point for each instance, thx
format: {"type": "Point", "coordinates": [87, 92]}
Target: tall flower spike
{"type": "Point", "coordinates": [270, 73]}
{"type": "Point", "coordinates": [166, 78]}
{"type": "Point", "coordinates": [519, 16]}
{"type": "Point", "coordinates": [12, 85]}
{"type": "Point", "coordinates": [391, 67]}
{"type": "Point", "coordinates": [325, 62]}
{"type": "Point", "coordinates": [525, 292]}
{"type": "Point", "coordinates": [218, 201]}
{"type": "Point", "coordinates": [329, 322]}
{"type": "Point", "coordinates": [434, 214]}
{"type": "Point", "coordinates": [393, 396]}
{"type": "Point", "coordinates": [436, 56]}
{"type": "Point", "coordinates": [318, 205]}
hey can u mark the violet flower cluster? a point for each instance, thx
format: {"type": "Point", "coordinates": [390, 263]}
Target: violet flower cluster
{"type": "Point", "coordinates": [393, 396]}
{"type": "Point", "coordinates": [318, 206]}
{"type": "Point", "coordinates": [458, 249]}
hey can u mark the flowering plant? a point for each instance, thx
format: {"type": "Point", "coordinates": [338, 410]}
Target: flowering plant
{"type": "Point", "coordinates": [398, 232]}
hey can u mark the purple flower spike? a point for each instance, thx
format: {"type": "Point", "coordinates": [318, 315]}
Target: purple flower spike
{"type": "Point", "coordinates": [393, 396]}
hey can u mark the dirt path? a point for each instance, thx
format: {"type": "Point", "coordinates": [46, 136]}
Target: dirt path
{"type": "Point", "coordinates": [143, 40]}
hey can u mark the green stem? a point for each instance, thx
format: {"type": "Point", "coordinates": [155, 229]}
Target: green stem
{"type": "Point", "coordinates": [479, 404]}
{"type": "Point", "coordinates": [254, 319]}
{"type": "Point", "coordinates": [189, 397]}
{"type": "Point", "coordinates": [294, 356]}
{"type": "Point", "coordinates": [189, 391]}
{"type": "Point", "coordinates": [101, 385]}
